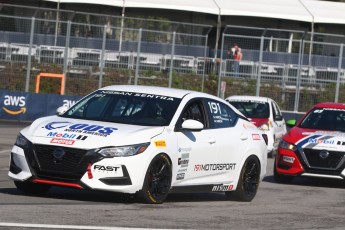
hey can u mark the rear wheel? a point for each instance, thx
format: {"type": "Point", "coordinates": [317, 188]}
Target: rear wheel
{"type": "Point", "coordinates": [32, 188]}
{"type": "Point", "coordinates": [157, 181]}
{"type": "Point", "coordinates": [280, 178]}
{"type": "Point", "coordinates": [248, 183]}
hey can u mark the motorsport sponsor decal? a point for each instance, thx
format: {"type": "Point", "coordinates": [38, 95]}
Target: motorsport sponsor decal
{"type": "Point", "coordinates": [65, 136]}
{"type": "Point", "coordinates": [61, 141]}
{"type": "Point", "coordinates": [215, 167]}
{"type": "Point", "coordinates": [160, 97]}
{"type": "Point", "coordinates": [184, 150]}
{"type": "Point", "coordinates": [180, 176]}
{"type": "Point", "coordinates": [327, 109]}
{"type": "Point", "coordinates": [246, 100]}
{"type": "Point", "coordinates": [223, 188]}
{"type": "Point", "coordinates": [96, 130]}
{"type": "Point", "coordinates": [256, 136]}
{"type": "Point", "coordinates": [14, 105]}
{"type": "Point", "coordinates": [321, 141]}
{"type": "Point", "coordinates": [183, 160]}
{"type": "Point", "coordinates": [160, 144]}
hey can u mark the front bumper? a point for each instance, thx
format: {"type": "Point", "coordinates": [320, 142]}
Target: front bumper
{"type": "Point", "coordinates": [304, 162]}
{"type": "Point", "coordinates": [77, 168]}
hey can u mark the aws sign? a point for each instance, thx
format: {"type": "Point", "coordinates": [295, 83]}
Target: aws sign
{"type": "Point", "coordinates": [14, 105]}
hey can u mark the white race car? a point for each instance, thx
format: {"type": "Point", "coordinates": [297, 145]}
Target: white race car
{"type": "Point", "coordinates": [265, 114]}
{"type": "Point", "coordinates": [142, 140]}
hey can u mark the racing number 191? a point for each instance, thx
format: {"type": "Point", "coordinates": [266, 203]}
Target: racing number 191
{"type": "Point", "coordinates": [214, 107]}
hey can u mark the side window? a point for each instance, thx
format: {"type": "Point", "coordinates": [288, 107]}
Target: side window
{"type": "Point", "coordinates": [221, 115]}
{"type": "Point", "coordinates": [194, 111]}
{"type": "Point", "coordinates": [276, 112]}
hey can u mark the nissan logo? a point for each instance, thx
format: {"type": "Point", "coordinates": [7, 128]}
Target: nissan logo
{"type": "Point", "coordinates": [58, 153]}
{"type": "Point", "coordinates": [324, 154]}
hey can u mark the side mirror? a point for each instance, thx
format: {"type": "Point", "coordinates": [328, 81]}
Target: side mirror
{"type": "Point", "coordinates": [291, 123]}
{"type": "Point", "coordinates": [61, 110]}
{"type": "Point", "coordinates": [192, 125]}
{"type": "Point", "coordinates": [278, 118]}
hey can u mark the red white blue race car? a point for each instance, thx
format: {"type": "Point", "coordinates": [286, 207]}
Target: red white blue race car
{"type": "Point", "coordinates": [141, 140]}
{"type": "Point", "coordinates": [315, 146]}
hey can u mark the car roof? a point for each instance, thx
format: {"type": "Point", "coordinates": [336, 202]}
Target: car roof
{"type": "Point", "coordinates": [249, 98]}
{"type": "Point", "coordinates": [332, 105]}
{"type": "Point", "coordinates": [164, 91]}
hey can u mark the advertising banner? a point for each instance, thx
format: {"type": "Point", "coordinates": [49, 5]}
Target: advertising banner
{"type": "Point", "coordinates": [21, 106]}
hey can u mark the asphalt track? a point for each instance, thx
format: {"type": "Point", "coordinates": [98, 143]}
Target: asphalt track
{"type": "Point", "coordinates": [304, 204]}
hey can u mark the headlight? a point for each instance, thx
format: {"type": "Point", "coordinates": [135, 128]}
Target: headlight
{"type": "Point", "coordinates": [21, 141]}
{"type": "Point", "coordinates": [123, 151]}
{"type": "Point", "coordinates": [285, 145]}
{"type": "Point", "coordinates": [264, 127]}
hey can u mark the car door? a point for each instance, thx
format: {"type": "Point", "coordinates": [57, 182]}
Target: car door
{"type": "Point", "coordinates": [230, 140]}
{"type": "Point", "coordinates": [196, 151]}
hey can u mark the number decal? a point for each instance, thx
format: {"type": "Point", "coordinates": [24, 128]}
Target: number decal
{"type": "Point", "coordinates": [214, 108]}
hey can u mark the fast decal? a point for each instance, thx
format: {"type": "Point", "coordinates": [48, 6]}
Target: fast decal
{"type": "Point", "coordinates": [215, 167]}
{"type": "Point", "coordinates": [106, 168]}
{"type": "Point", "coordinates": [256, 136]}
{"type": "Point", "coordinates": [96, 130]}
{"type": "Point", "coordinates": [159, 97]}
{"type": "Point", "coordinates": [14, 105]}
{"type": "Point", "coordinates": [160, 144]}
{"type": "Point", "coordinates": [223, 188]}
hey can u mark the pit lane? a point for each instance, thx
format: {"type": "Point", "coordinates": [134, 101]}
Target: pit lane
{"type": "Point", "coordinates": [306, 204]}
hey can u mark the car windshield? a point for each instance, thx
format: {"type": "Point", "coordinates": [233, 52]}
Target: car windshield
{"type": "Point", "coordinates": [125, 107]}
{"type": "Point", "coordinates": [252, 109]}
{"type": "Point", "coordinates": [325, 119]}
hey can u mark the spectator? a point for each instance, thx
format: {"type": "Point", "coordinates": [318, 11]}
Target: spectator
{"type": "Point", "coordinates": [237, 58]}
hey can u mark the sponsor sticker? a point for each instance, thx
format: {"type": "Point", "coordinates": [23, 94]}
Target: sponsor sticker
{"type": "Point", "coordinates": [62, 141]}
{"type": "Point", "coordinates": [180, 176]}
{"type": "Point", "coordinates": [101, 170]}
{"type": "Point", "coordinates": [223, 188]}
{"type": "Point", "coordinates": [256, 136]}
{"type": "Point", "coordinates": [160, 144]}
{"type": "Point", "coordinates": [215, 167]}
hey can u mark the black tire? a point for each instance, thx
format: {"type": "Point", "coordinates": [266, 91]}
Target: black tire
{"type": "Point", "coordinates": [157, 181]}
{"type": "Point", "coordinates": [248, 182]}
{"type": "Point", "coordinates": [280, 178]}
{"type": "Point", "coordinates": [32, 188]}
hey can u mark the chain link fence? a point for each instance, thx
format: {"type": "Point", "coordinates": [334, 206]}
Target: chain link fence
{"type": "Point", "coordinates": [295, 68]}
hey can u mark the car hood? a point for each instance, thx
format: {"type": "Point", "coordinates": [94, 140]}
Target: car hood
{"type": "Point", "coordinates": [316, 139]}
{"type": "Point", "coordinates": [86, 134]}
{"type": "Point", "coordinates": [259, 121]}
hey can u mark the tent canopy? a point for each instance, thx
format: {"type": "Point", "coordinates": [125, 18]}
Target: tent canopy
{"type": "Point", "coordinates": [312, 11]}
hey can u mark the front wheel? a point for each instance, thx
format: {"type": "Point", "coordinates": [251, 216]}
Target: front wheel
{"type": "Point", "coordinates": [248, 182]}
{"type": "Point", "coordinates": [157, 181]}
{"type": "Point", "coordinates": [32, 188]}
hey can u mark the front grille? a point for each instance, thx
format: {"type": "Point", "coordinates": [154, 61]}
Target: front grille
{"type": "Point", "coordinates": [70, 166]}
{"type": "Point", "coordinates": [331, 162]}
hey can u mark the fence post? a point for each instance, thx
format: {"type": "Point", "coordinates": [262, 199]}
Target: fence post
{"type": "Point", "coordinates": [258, 80]}
{"type": "Point", "coordinates": [220, 66]}
{"type": "Point", "coordinates": [68, 35]}
{"type": "Point", "coordinates": [172, 59]}
{"type": "Point", "coordinates": [298, 80]}
{"type": "Point", "coordinates": [204, 66]}
{"type": "Point", "coordinates": [28, 67]}
{"type": "Point", "coordinates": [138, 58]}
{"type": "Point", "coordinates": [340, 61]}
{"type": "Point", "coordinates": [101, 64]}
